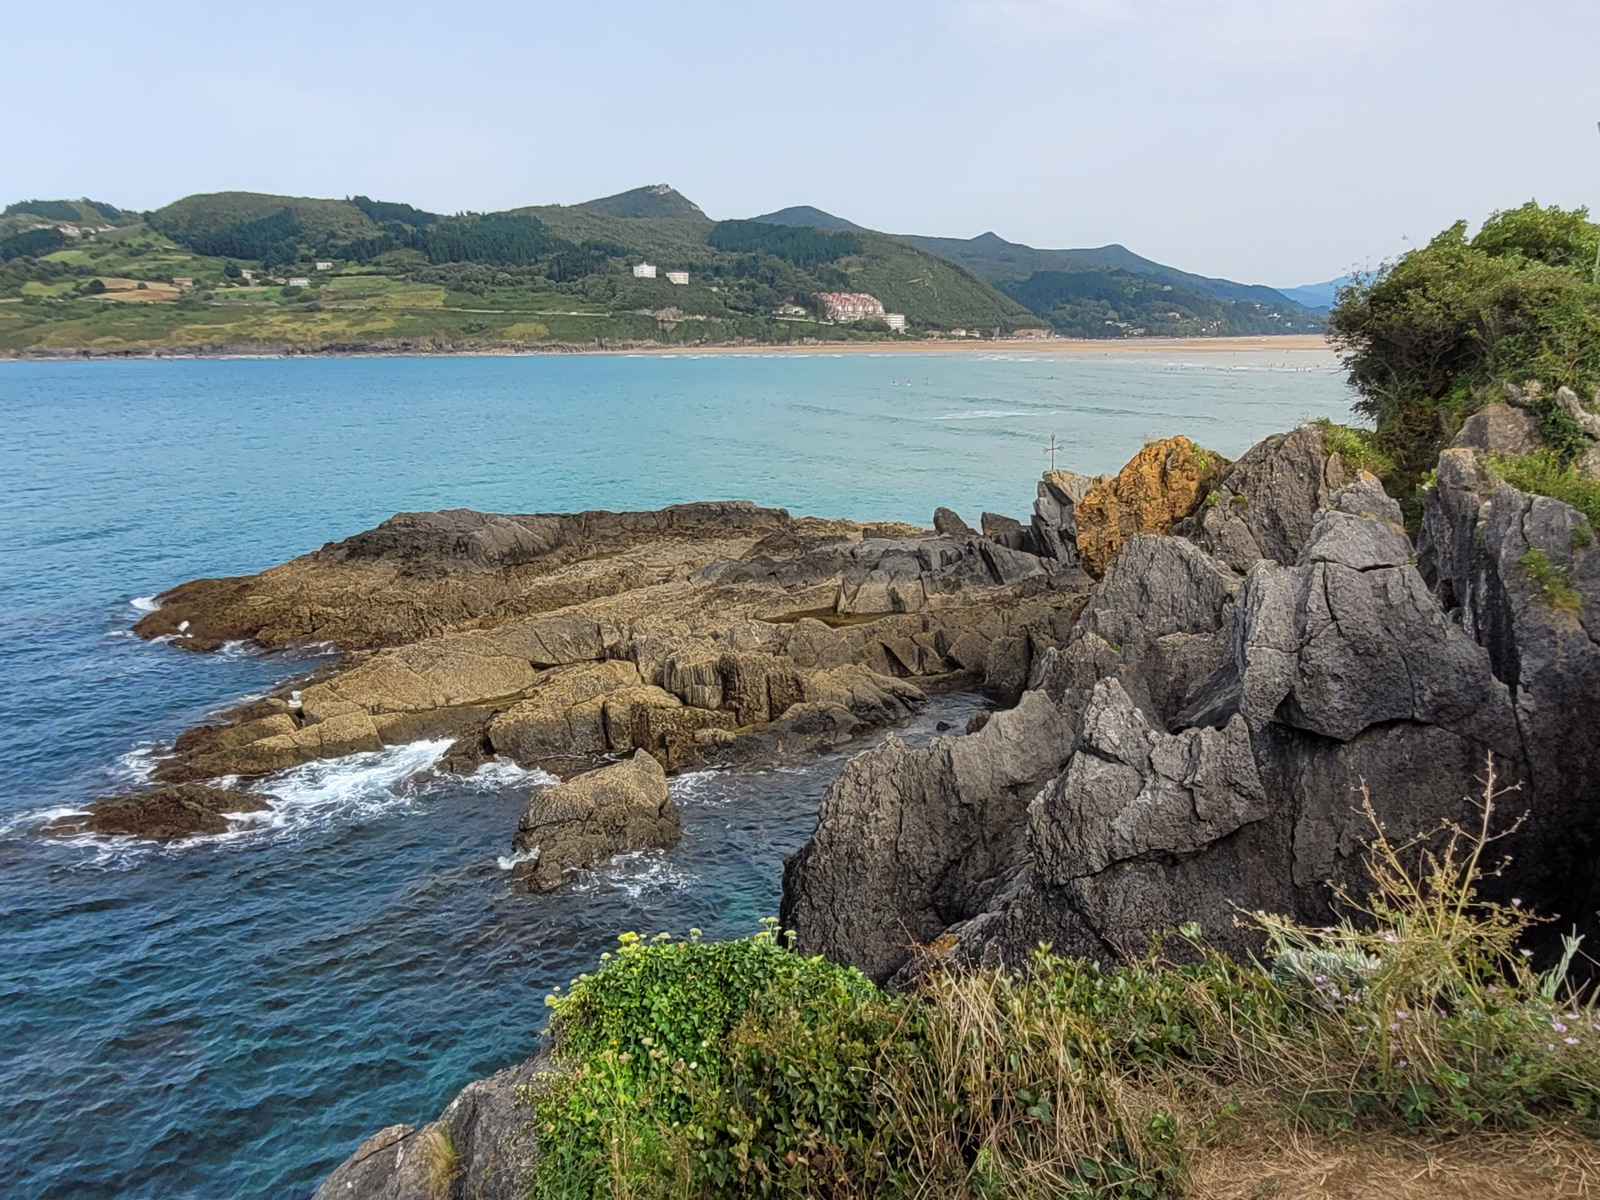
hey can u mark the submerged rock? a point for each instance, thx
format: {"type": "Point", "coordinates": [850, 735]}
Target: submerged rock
{"type": "Point", "coordinates": [182, 810]}
{"type": "Point", "coordinates": [583, 822]}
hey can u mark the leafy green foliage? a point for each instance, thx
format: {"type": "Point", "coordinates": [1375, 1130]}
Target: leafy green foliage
{"type": "Point", "coordinates": [1425, 337]}
{"type": "Point", "coordinates": [383, 211]}
{"type": "Point", "coordinates": [1544, 474]}
{"type": "Point", "coordinates": [1554, 582]}
{"type": "Point", "coordinates": [270, 240]}
{"type": "Point", "coordinates": [1356, 446]}
{"type": "Point", "coordinates": [798, 244]}
{"type": "Point", "coordinates": [32, 244]}
{"type": "Point", "coordinates": [499, 240]}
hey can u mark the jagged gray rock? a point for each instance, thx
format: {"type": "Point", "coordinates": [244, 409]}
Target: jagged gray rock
{"type": "Point", "coordinates": [1522, 573]}
{"type": "Point", "coordinates": [1222, 728]}
{"type": "Point", "coordinates": [1263, 506]}
{"type": "Point", "coordinates": [1498, 429]}
{"type": "Point", "coordinates": [948, 523]}
{"type": "Point", "coordinates": [910, 841]}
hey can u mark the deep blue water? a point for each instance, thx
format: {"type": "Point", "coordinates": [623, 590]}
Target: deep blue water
{"type": "Point", "coordinates": [226, 1019]}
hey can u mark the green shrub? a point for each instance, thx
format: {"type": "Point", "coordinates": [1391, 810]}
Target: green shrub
{"type": "Point", "coordinates": [1554, 582]}
{"type": "Point", "coordinates": [744, 1069]}
{"type": "Point", "coordinates": [1544, 474]}
{"type": "Point", "coordinates": [1357, 447]}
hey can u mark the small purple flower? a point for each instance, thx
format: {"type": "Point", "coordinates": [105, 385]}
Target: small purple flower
{"type": "Point", "coordinates": [1402, 1014]}
{"type": "Point", "coordinates": [1558, 1026]}
{"type": "Point", "coordinates": [1570, 1041]}
{"type": "Point", "coordinates": [1516, 904]}
{"type": "Point", "coordinates": [1527, 954]}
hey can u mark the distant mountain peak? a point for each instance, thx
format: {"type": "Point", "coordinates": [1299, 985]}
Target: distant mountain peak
{"type": "Point", "coordinates": [654, 200]}
{"type": "Point", "coordinates": [806, 216]}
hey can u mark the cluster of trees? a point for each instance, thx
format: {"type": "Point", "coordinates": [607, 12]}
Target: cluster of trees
{"type": "Point", "coordinates": [1427, 337]}
{"type": "Point", "coordinates": [798, 244]}
{"type": "Point", "coordinates": [1102, 302]}
{"type": "Point", "coordinates": [273, 240]}
{"type": "Point", "coordinates": [32, 244]}
{"type": "Point", "coordinates": [50, 210]}
{"type": "Point", "coordinates": [381, 212]}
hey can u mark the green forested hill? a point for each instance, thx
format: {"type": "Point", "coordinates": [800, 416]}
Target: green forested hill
{"type": "Point", "coordinates": [386, 273]}
{"type": "Point", "coordinates": [1110, 291]}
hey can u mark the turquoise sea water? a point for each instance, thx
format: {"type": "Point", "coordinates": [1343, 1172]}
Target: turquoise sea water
{"type": "Point", "coordinates": [228, 1018]}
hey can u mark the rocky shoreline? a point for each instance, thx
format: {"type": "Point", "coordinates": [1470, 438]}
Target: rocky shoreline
{"type": "Point", "coordinates": [1196, 667]}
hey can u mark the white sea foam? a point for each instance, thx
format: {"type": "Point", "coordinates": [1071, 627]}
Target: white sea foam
{"type": "Point", "coordinates": [502, 772]}
{"type": "Point", "coordinates": [508, 862]}
{"type": "Point", "coordinates": [981, 414]}
{"type": "Point", "coordinates": [331, 791]}
{"type": "Point", "coordinates": [144, 605]}
{"type": "Point", "coordinates": [698, 787]}
{"type": "Point", "coordinates": [641, 873]}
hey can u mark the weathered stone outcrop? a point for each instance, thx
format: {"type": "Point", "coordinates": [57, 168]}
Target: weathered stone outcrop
{"type": "Point", "coordinates": [1054, 528]}
{"type": "Point", "coordinates": [486, 1132]}
{"type": "Point", "coordinates": [1222, 726]}
{"type": "Point", "coordinates": [1263, 505]}
{"type": "Point", "coordinates": [910, 841]}
{"type": "Point", "coordinates": [696, 631]}
{"type": "Point", "coordinates": [163, 814]}
{"type": "Point", "coordinates": [581, 823]}
{"type": "Point", "coordinates": [1521, 574]}
{"type": "Point", "coordinates": [1165, 482]}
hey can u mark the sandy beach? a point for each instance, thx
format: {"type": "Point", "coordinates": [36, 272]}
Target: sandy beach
{"type": "Point", "coordinates": [1299, 343]}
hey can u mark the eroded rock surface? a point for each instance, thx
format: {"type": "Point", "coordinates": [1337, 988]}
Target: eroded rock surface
{"type": "Point", "coordinates": [163, 814]}
{"type": "Point", "coordinates": [1165, 482]}
{"type": "Point", "coordinates": [486, 1132]}
{"type": "Point", "coordinates": [1210, 731]}
{"type": "Point", "coordinates": [583, 822]}
{"type": "Point", "coordinates": [699, 633]}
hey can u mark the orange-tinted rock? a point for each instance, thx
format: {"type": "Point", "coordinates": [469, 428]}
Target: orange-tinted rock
{"type": "Point", "coordinates": [1165, 482]}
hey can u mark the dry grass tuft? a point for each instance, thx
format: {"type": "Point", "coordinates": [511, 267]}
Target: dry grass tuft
{"type": "Point", "coordinates": [443, 1160]}
{"type": "Point", "coordinates": [1273, 1162]}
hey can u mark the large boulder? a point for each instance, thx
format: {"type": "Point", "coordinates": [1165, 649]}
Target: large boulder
{"type": "Point", "coordinates": [482, 1147]}
{"type": "Point", "coordinates": [1164, 482]}
{"type": "Point", "coordinates": [1054, 528]}
{"type": "Point", "coordinates": [179, 811]}
{"type": "Point", "coordinates": [583, 822]}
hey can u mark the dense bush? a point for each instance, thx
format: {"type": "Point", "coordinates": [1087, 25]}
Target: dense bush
{"type": "Point", "coordinates": [744, 1069]}
{"type": "Point", "coordinates": [31, 244]}
{"type": "Point", "coordinates": [1427, 335]}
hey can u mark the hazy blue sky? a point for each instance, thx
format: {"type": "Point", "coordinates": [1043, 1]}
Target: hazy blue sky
{"type": "Point", "coordinates": [1274, 141]}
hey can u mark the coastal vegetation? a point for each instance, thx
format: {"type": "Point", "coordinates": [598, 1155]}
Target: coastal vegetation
{"type": "Point", "coordinates": [1430, 338]}
{"type": "Point", "coordinates": [743, 1068]}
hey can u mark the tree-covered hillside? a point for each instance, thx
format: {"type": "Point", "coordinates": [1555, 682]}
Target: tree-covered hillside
{"type": "Point", "coordinates": [1116, 303]}
{"type": "Point", "coordinates": [378, 270]}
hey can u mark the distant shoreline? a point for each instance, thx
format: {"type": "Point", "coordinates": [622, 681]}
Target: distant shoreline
{"type": "Point", "coordinates": [1288, 343]}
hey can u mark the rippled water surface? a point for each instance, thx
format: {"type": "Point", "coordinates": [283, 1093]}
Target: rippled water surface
{"type": "Point", "coordinates": [227, 1018]}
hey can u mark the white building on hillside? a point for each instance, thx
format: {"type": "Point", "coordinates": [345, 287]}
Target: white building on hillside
{"type": "Point", "coordinates": [678, 277]}
{"type": "Point", "coordinates": [299, 281]}
{"type": "Point", "coordinates": [895, 321]}
{"type": "Point", "coordinates": [644, 271]}
{"type": "Point", "coordinates": [324, 266]}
